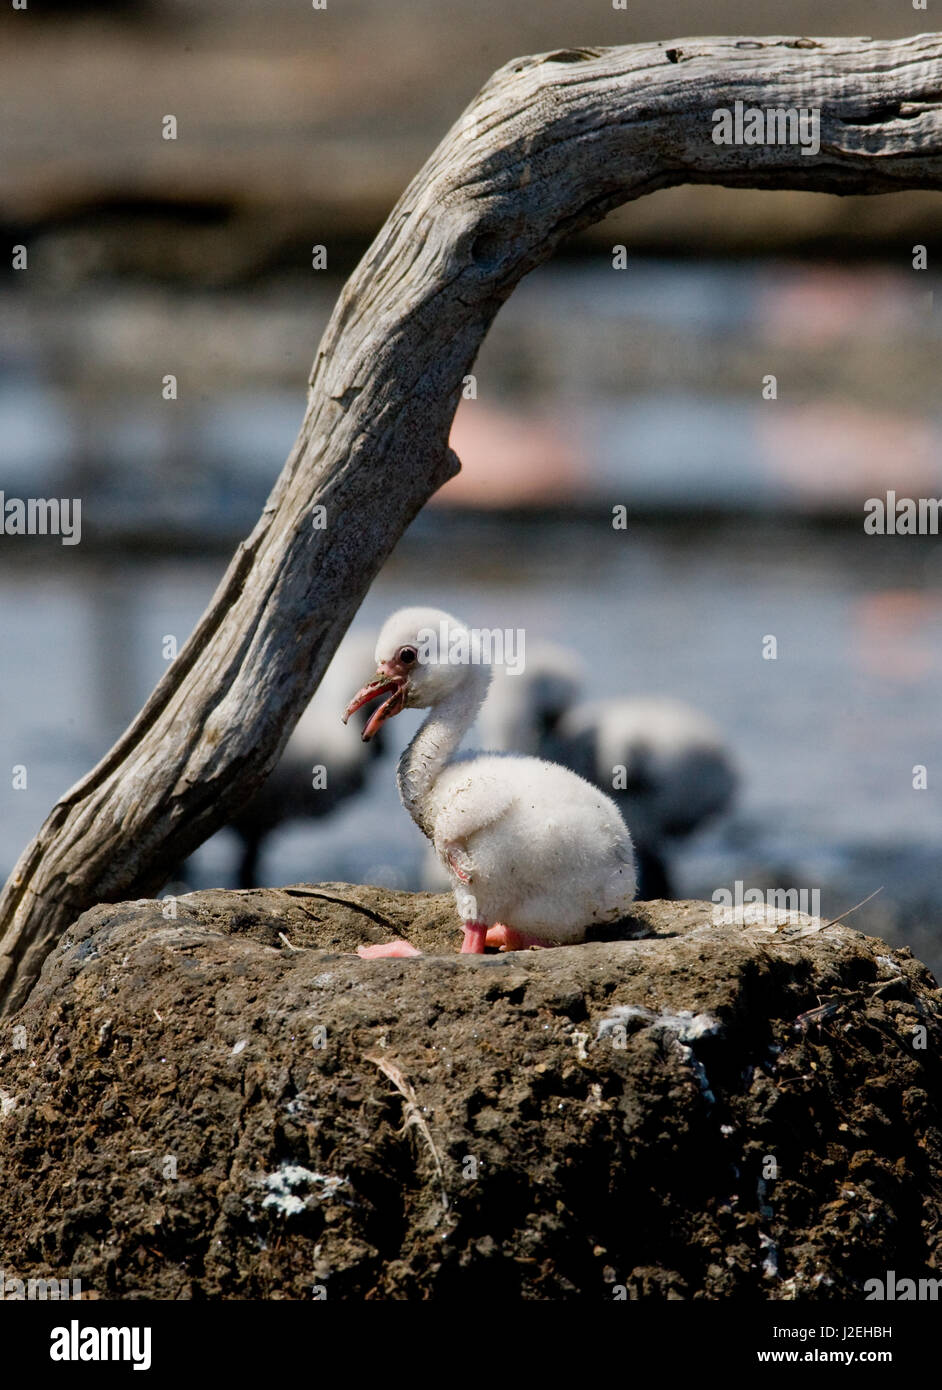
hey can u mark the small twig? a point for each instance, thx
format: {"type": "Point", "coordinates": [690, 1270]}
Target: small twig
{"type": "Point", "coordinates": [344, 902]}
{"type": "Point", "coordinates": [835, 920]}
{"type": "Point", "coordinates": [412, 1115]}
{"type": "Point", "coordinates": [290, 945]}
{"type": "Point", "coordinates": [817, 1015]}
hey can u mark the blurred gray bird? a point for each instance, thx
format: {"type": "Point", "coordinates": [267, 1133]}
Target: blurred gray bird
{"type": "Point", "coordinates": [664, 763]}
{"type": "Point", "coordinates": [320, 768]}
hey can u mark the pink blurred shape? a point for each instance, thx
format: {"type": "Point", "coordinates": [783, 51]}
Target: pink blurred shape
{"type": "Point", "coordinates": [511, 459]}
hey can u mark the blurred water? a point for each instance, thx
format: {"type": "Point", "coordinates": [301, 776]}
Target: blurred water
{"type": "Point", "coordinates": [643, 386]}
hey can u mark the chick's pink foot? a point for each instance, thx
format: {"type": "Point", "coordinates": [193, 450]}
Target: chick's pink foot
{"type": "Point", "coordinates": [387, 948]}
{"type": "Point", "coordinates": [509, 940]}
{"type": "Point", "coordinates": [477, 935]}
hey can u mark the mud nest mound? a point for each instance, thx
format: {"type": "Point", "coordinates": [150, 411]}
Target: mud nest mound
{"type": "Point", "coordinates": [228, 1104]}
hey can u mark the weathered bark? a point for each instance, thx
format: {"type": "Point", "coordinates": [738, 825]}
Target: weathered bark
{"type": "Point", "coordinates": [551, 144]}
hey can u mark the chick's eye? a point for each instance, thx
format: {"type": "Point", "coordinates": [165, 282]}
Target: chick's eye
{"type": "Point", "coordinates": [407, 655]}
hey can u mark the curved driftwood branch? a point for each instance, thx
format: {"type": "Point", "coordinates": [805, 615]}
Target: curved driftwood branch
{"type": "Point", "coordinates": [551, 143]}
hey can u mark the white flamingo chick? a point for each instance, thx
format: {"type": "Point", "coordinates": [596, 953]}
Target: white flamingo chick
{"type": "Point", "coordinates": [535, 853]}
{"type": "Point", "coordinates": [520, 714]}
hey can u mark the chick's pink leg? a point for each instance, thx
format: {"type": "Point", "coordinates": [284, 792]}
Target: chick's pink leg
{"type": "Point", "coordinates": [387, 948]}
{"type": "Point", "coordinates": [474, 934]}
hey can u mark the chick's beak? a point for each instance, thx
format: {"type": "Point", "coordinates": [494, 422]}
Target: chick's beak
{"type": "Point", "coordinates": [387, 683]}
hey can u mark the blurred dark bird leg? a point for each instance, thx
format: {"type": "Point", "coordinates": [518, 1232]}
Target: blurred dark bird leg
{"type": "Point", "coordinates": [653, 878]}
{"type": "Point", "coordinates": [248, 860]}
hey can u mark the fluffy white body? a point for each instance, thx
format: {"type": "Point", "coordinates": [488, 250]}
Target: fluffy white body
{"type": "Point", "coordinates": [518, 716]}
{"type": "Point", "coordinates": [543, 850]}
{"type": "Point", "coordinates": [529, 846]}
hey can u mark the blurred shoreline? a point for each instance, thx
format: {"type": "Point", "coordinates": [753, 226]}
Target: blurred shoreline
{"type": "Point", "coordinates": [644, 388]}
{"type": "Point", "coordinates": [299, 126]}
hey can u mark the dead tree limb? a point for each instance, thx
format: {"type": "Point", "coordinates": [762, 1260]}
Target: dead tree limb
{"type": "Point", "coordinates": [551, 143]}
